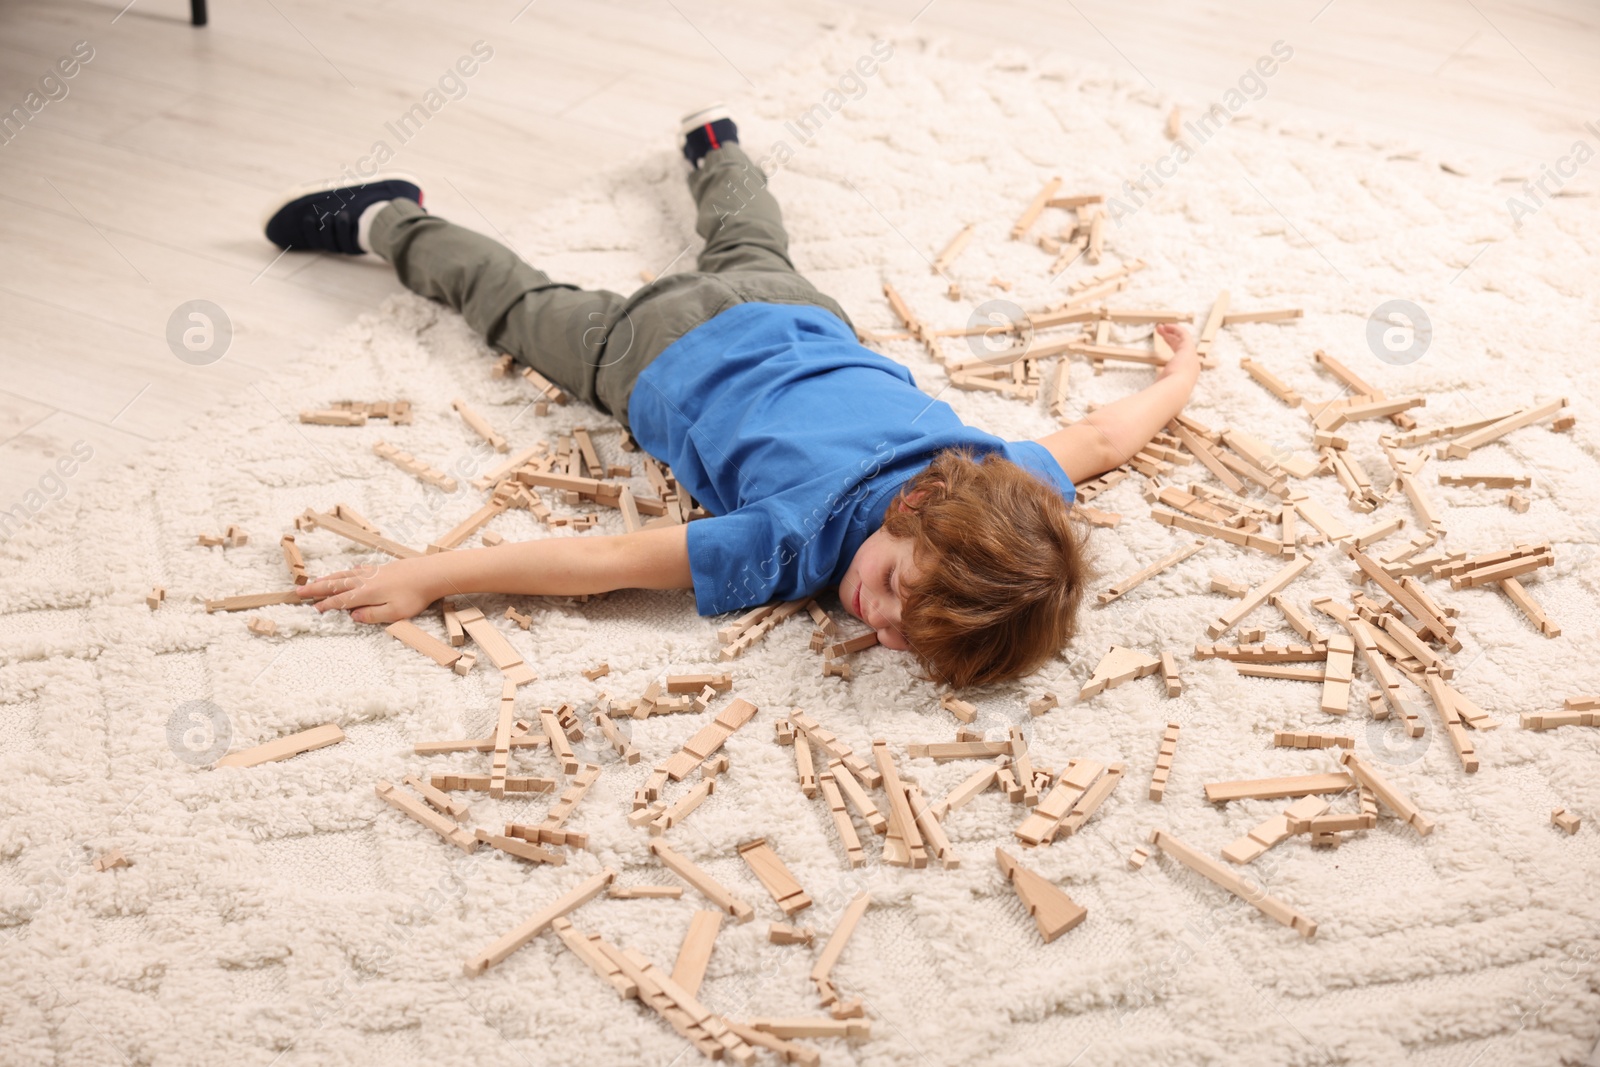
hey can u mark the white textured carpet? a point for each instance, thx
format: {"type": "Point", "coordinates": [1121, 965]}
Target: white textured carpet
{"type": "Point", "coordinates": [285, 910]}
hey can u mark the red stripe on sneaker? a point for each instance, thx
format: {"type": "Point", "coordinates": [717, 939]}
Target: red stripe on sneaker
{"type": "Point", "coordinates": [712, 134]}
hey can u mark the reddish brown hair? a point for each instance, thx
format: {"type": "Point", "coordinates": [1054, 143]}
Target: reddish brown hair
{"type": "Point", "coordinates": [1000, 569]}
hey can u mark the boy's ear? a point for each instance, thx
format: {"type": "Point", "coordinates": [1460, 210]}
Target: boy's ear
{"type": "Point", "coordinates": [913, 500]}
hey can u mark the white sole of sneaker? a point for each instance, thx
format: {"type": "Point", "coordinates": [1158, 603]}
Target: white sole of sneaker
{"type": "Point", "coordinates": [329, 184]}
{"type": "Point", "coordinates": [701, 117]}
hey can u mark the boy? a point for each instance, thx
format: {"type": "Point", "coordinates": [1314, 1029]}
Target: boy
{"type": "Point", "coordinates": [820, 461]}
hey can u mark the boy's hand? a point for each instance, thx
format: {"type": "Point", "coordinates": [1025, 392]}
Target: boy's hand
{"type": "Point", "coordinates": [1185, 360]}
{"type": "Point", "coordinates": [379, 595]}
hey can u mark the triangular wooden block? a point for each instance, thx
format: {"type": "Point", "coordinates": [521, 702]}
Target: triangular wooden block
{"type": "Point", "coordinates": [1117, 666]}
{"type": "Point", "coordinates": [1053, 911]}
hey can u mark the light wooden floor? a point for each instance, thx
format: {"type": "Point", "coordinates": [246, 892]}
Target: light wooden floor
{"type": "Point", "coordinates": [142, 188]}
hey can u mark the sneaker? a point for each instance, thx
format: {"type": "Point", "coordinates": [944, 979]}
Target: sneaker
{"type": "Point", "coordinates": [708, 128]}
{"type": "Point", "coordinates": [325, 216]}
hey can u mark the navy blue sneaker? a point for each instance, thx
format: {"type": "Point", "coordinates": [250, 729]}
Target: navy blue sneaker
{"type": "Point", "coordinates": [325, 216]}
{"type": "Point", "coordinates": [708, 128]}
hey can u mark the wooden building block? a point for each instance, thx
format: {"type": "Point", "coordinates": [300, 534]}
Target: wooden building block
{"type": "Point", "coordinates": [1074, 782]}
{"type": "Point", "coordinates": [413, 636]}
{"type": "Point", "coordinates": [251, 601]}
{"type": "Point", "coordinates": [1155, 568]}
{"type": "Point", "coordinates": [156, 596]}
{"type": "Point", "coordinates": [261, 626]}
{"type": "Point", "coordinates": [809, 1027]}
{"type": "Point", "coordinates": [1518, 595]}
{"type": "Point", "coordinates": [1276, 788]}
{"type": "Point", "coordinates": [784, 934]}
{"type": "Point", "coordinates": [957, 245]}
{"type": "Point", "coordinates": [442, 825]}
{"type": "Point", "coordinates": [541, 920]}
{"type": "Point", "coordinates": [1035, 207]}
{"type": "Point", "coordinates": [841, 819]}
{"type": "Point", "coordinates": [1288, 739]}
{"type": "Point", "coordinates": [1169, 747]}
{"type": "Point", "coordinates": [480, 783]}
{"type": "Point", "coordinates": [805, 767]}
{"type": "Point", "coordinates": [521, 849]}
{"type": "Point", "coordinates": [597, 672]}
{"type": "Point", "coordinates": [569, 798]}
{"type": "Point", "coordinates": [1054, 913]}
{"type": "Point", "coordinates": [1565, 820]}
{"type": "Point", "coordinates": [902, 846]}
{"type": "Point", "coordinates": [1117, 666]}
{"type": "Point", "coordinates": [1390, 796]}
{"type": "Point", "coordinates": [1213, 871]}
{"type": "Point", "coordinates": [962, 710]}
{"type": "Point", "coordinates": [695, 953]}
{"type": "Point", "coordinates": [441, 801]}
{"type": "Point", "coordinates": [284, 747]}
{"type": "Point", "coordinates": [932, 831]}
{"type": "Point", "coordinates": [1338, 674]}
{"type": "Point", "coordinates": [775, 876]}
{"type": "Point", "coordinates": [1085, 807]}
{"type": "Point", "coordinates": [1136, 859]}
{"type": "Point", "coordinates": [708, 886]}
{"type": "Point", "coordinates": [709, 739]}
{"type": "Point", "coordinates": [480, 425]}
{"type": "Point", "coordinates": [1257, 596]}
{"type": "Point", "coordinates": [1462, 447]}
{"type": "Point", "coordinates": [1228, 586]}
{"type": "Point", "coordinates": [1039, 705]}
{"type": "Point", "coordinates": [646, 892]}
{"type": "Point", "coordinates": [494, 644]}
{"type": "Point", "coordinates": [694, 683]}
{"type": "Point", "coordinates": [834, 948]}
{"type": "Point", "coordinates": [1273, 831]}
{"type": "Point", "coordinates": [1269, 381]}
{"type": "Point", "coordinates": [680, 809]}
{"type": "Point", "coordinates": [111, 859]}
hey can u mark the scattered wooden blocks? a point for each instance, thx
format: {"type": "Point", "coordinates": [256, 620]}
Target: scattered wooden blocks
{"type": "Point", "coordinates": [1155, 568]}
{"type": "Point", "coordinates": [414, 466]}
{"type": "Point", "coordinates": [712, 889]}
{"type": "Point", "coordinates": [1053, 911]}
{"type": "Point", "coordinates": [112, 859]}
{"type": "Point", "coordinates": [695, 953]}
{"type": "Point", "coordinates": [1273, 831]}
{"type": "Point", "coordinates": [1558, 817]}
{"type": "Point", "coordinates": [1210, 869]}
{"type": "Point", "coordinates": [774, 874]}
{"type": "Point", "coordinates": [284, 747]}
{"type": "Point", "coordinates": [1169, 747]}
{"type": "Point", "coordinates": [494, 644]}
{"type": "Point", "coordinates": [784, 934]}
{"type": "Point", "coordinates": [1117, 666]}
{"type": "Point", "coordinates": [1387, 793]}
{"type": "Point", "coordinates": [823, 968]}
{"type": "Point", "coordinates": [1228, 586]}
{"type": "Point", "coordinates": [962, 710]}
{"type": "Point", "coordinates": [1278, 788]}
{"type": "Point", "coordinates": [541, 920]}
{"type": "Point", "coordinates": [710, 738]}
{"type": "Point", "coordinates": [442, 825]}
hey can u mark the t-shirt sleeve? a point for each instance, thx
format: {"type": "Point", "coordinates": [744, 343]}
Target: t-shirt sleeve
{"type": "Point", "coordinates": [1033, 457]}
{"type": "Point", "coordinates": [753, 555]}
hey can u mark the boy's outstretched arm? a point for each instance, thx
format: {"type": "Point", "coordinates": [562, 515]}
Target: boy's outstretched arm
{"type": "Point", "coordinates": [556, 566]}
{"type": "Point", "coordinates": [1109, 436]}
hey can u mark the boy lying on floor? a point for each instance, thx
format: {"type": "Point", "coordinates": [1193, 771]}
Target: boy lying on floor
{"type": "Point", "coordinates": [820, 461]}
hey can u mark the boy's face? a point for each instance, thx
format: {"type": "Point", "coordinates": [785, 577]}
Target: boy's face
{"type": "Point", "coordinates": [870, 588]}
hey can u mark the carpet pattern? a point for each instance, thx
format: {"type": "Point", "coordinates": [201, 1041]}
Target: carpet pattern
{"type": "Point", "coordinates": [283, 914]}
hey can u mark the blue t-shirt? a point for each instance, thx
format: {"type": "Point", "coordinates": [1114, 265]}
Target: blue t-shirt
{"type": "Point", "coordinates": [796, 439]}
